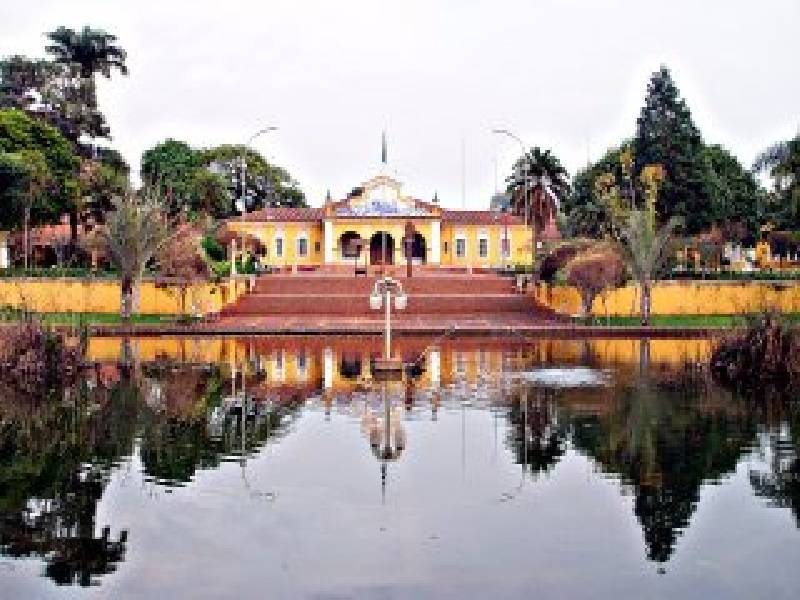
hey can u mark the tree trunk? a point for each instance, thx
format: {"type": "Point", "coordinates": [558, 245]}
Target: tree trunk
{"type": "Point", "coordinates": [126, 299]}
{"type": "Point", "coordinates": [645, 301]}
{"type": "Point", "coordinates": [73, 235]}
{"type": "Point", "coordinates": [27, 238]}
{"type": "Point", "coordinates": [587, 298]}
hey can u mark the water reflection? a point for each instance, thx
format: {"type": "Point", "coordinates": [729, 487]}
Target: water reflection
{"type": "Point", "coordinates": [177, 408]}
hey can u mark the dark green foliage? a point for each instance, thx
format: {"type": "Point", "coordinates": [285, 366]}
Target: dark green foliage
{"type": "Point", "coordinates": [782, 162]}
{"type": "Point", "coordinates": [21, 134]}
{"type": "Point", "coordinates": [666, 135]}
{"type": "Point", "coordinates": [266, 184]}
{"type": "Point", "coordinates": [171, 166]}
{"type": "Point", "coordinates": [586, 214]}
{"type": "Point", "coordinates": [736, 195]}
{"type": "Point", "coordinates": [213, 248]}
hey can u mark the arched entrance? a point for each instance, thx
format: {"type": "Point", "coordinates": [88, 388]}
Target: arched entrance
{"type": "Point", "coordinates": [381, 249]}
{"type": "Point", "coordinates": [350, 244]}
{"type": "Point", "coordinates": [418, 250]}
{"type": "Point", "coordinates": [350, 366]}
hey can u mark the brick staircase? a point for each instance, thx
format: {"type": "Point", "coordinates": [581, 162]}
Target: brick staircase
{"type": "Point", "coordinates": [431, 296]}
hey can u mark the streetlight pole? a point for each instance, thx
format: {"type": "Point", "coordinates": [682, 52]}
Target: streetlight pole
{"type": "Point", "coordinates": [525, 163]}
{"type": "Point", "coordinates": [243, 164]}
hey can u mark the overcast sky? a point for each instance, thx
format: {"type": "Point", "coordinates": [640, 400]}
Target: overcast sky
{"type": "Point", "coordinates": [437, 74]}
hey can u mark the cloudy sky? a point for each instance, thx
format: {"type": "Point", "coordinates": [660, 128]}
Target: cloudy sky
{"type": "Point", "coordinates": [438, 75]}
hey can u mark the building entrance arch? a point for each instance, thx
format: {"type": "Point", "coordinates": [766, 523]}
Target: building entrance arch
{"type": "Point", "coordinates": [381, 249]}
{"type": "Point", "coordinates": [416, 248]}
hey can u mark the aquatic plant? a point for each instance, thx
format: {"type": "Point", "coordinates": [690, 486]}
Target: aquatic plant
{"type": "Point", "coordinates": [763, 356]}
{"type": "Point", "coordinates": [33, 357]}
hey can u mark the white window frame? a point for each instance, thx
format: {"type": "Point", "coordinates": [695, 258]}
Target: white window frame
{"type": "Point", "coordinates": [279, 246]}
{"type": "Point", "coordinates": [301, 239]}
{"type": "Point", "coordinates": [460, 244]}
{"type": "Point", "coordinates": [483, 241]}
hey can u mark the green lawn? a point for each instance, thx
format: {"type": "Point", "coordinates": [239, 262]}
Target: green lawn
{"type": "Point", "coordinates": [685, 320]}
{"type": "Point", "coordinates": [98, 318]}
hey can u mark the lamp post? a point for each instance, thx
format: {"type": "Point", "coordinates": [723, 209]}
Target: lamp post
{"type": "Point", "coordinates": [528, 218]}
{"type": "Point", "coordinates": [243, 165]}
{"type": "Point", "coordinates": [381, 296]}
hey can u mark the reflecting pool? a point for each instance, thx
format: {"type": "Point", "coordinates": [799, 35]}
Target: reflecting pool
{"type": "Point", "coordinates": [496, 468]}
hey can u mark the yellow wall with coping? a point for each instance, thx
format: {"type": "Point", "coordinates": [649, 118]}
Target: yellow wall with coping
{"type": "Point", "coordinates": [103, 296]}
{"type": "Point", "coordinates": [680, 298]}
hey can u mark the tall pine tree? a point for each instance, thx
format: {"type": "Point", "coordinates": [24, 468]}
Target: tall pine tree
{"type": "Point", "coordinates": [666, 135]}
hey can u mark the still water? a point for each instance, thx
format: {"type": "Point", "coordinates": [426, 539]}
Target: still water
{"type": "Point", "coordinates": [277, 468]}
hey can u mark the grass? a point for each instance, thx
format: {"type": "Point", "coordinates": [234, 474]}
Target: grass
{"type": "Point", "coordinates": [685, 320]}
{"type": "Point", "coordinates": [98, 318]}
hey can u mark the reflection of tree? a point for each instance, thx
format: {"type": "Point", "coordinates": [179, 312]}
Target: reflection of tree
{"type": "Point", "coordinates": [664, 447]}
{"type": "Point", "coordinates": [54, 459]}
{"type": "Point", "coordinates": [779, 480]}
{"type": "Point", "coordinates": [541, 444]}
{"type": "Point", "coordinates": [175, 438]}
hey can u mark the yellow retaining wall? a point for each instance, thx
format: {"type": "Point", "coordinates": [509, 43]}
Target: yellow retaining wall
{"type": "Point", "coordinates": [103, 296]}
{"type": "Point", "coordinates": [680, 298]}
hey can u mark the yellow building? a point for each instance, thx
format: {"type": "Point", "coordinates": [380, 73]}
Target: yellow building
{"type": "Point", "coordinates": [378, 224]}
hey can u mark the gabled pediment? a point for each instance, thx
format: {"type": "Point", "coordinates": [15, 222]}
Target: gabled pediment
{"type": "Point", "coordinates": [381, 196]}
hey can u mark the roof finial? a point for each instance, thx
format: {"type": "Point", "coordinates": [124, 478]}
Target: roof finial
{"type": "Point", "coordinates": [328, 195]}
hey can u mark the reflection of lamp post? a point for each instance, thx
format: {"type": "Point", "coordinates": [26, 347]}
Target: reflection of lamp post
{"type": "Point", "coordinates": [525, 168]}
{"type": "Point", "coordinates": [382, 296]}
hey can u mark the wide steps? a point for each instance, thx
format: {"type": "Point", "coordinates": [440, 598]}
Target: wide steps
{"type": "Point", "coordinates": [321, 285]}
{"type": "Point", "coordinates": [358, 304]}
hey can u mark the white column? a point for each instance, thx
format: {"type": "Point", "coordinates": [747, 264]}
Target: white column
{"type": "Point", "coordinates": [4, 254]}
{"type": "Point", "coordinates": [436, 243]}
{"type": "Point", "coordinates": [328, 242]}
{"type": "Point", "coordinates": [434, 367]}
{"type": "Point", "coordinates": [327, 368]}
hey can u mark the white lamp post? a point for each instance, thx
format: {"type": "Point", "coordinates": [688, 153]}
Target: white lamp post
{"type": "Point", "coordinates": [525, 170]}
{"type": "Point", "coordinates": [243, 164]}
{"type": "Point", "coordinates": [382, 296]}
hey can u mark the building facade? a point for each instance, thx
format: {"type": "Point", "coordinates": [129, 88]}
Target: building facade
{"type": "Point", "coordinates": [379, 225]}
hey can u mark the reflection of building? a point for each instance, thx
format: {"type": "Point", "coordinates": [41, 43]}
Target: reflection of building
{"type": "Point", "coordinates": [377, 224]}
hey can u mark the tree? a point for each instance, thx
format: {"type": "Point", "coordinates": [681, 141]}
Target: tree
{"type": "Point", "coordinates": [183, 259]}
{"type": "Point", "coordinates": [736, 195]}
{"type": "Point", "coordinates": [44, 183]}
{"type": "Point", "coordinates": [586, 212]}
{"type": "Point", "coordinates": [92, 50]}
{"type": "Point", "coordinates": [27, 174]}
{"type": "Point", "coordinates": [134, 233]}
{"type": "Point", "coordinates": [593, 272]}
{"type": "Point", "coordinates": [782, 162]}
{"type": "Point", "coordinates": [266, 184]}
{"type": "Point", "coordinates": [171, 166]}
{"type": "Point", "coordinates": [666, 135]}
{"type": "Point", "coordinates": [547, 186]}
{"type": "Point", "coordinates": [646, 249]}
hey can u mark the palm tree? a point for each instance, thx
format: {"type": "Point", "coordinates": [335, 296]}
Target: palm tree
{"type": "Point", "coordinates": [547, 186]}
{"type": "Point", "coordinates": [134, 233]}
{"type": "Point", "coordinates": [91, 50]}
{"type": "Point", "coordinates": [646, 250]}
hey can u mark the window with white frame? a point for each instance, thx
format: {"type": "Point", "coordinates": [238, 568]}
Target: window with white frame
{"type": "Point", "coordinates": [278, 371]}
{"type": "Point", "coordinates": [461, 247]}
{"type": "Point", "coordinates": [483, 247]}
{"type": "Point", "coordinates": [279, 247]}
{"type": "Point", "coordinates": [302, 246]}
{"type": "Point", "coordinates": [302, 366]}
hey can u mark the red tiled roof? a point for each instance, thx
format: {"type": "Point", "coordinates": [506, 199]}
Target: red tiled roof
{"type": "Point", "coordinates": [478, 217]}
{"type": "Point", "coordinates": [283, 214]}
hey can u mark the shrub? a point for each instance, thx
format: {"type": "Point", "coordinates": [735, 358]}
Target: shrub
{"type": "Point", "coordinates": [33, 357]}
{"type": "Point", "coordinates": [765, 356]}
